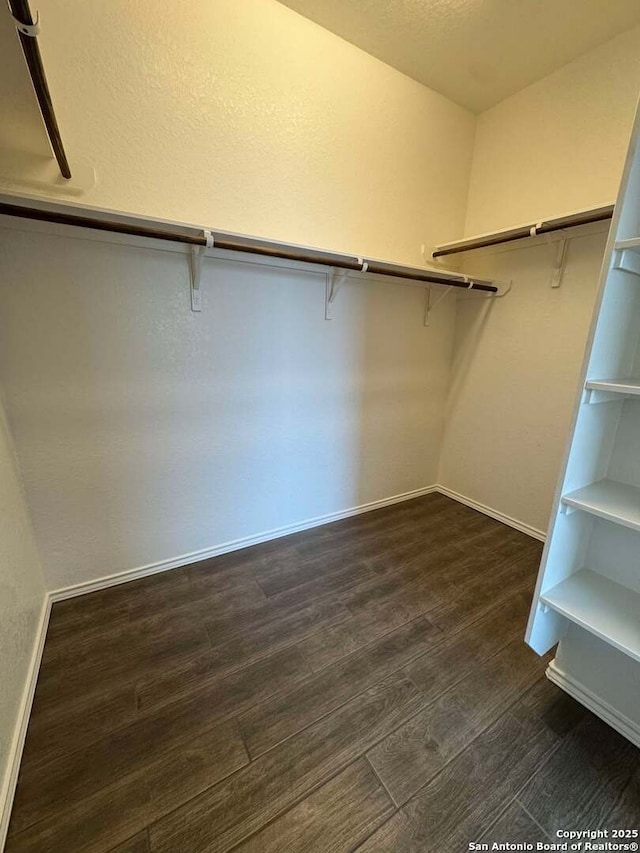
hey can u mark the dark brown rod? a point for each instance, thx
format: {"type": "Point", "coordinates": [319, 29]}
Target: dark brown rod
{"type": "Point", "coordinates": [22, 13]}
{"type": "Point", "coordinates": [598, 214]}
{"type": "Point", "coordinates": [251, 246]}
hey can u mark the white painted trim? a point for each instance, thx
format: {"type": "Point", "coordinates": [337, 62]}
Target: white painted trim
{"type": "Point", "coordinates": [233, 545]}
{"type": "Point", "coordinates": [245, 542]}
{"type": "Point", "coordinates": [621, 723]}
{"type": "Point", "coordinates": [8, 790]}
{"type": "Point", "coordinates": [493, 513]}
{"type": "Point", "coordinates": [10, 780]}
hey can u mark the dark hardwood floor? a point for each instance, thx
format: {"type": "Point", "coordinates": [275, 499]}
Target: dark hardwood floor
{"type": "Point", "coordinates": [362, 685]}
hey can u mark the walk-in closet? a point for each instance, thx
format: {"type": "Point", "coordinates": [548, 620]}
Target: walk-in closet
{"type": "Point", "coordinates": [319, 426]}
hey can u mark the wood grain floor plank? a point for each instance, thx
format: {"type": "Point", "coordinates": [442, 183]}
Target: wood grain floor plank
{"type": "Point", "coordinates": [486, 539]}
{"type": "Point", "coordinates": [462, 653]}
{"type": "Point", "coordinates": [238, 807]}
{"type": "Point", "coordinates": [200, 681]}
{"type": "Point", "coordinates": [448, 588]}
{"type": "Point", "coordinates": [333, 819]}
{"type": "Point", "coordinates": [331, 584]}
{"type": "Point", "coordinates": [378, 606]}
{"type": "Point", "coordinates": [200, 601]}
{"type": "Point", "coordinates": [139, 844]}
{"type": "Point", "coordinates": [135, 743]}
{"type": "Point", "coordinates": [412, 755]}
{"type": "Point", "coordinates": [626, 811]}
{"type": "Point", "coordinates": [289, 712]}
{"type": "Point", "coordinates": [466, 797]}
{"type": "Point", "coordinates": [131, 651]}
{"type": "Point", "coordinates": [129, 645]}
{"type": "Point", "coordinates": [258, 637]}
{"type": "Point", "coordinates": [101, 605]}
{"type": "Point", "coordinates": [97, 821]}
{"type": "Point", "coordinates": [272, 619]}
{"type": "Point", "coordinates": [375, 537]}
{"type": "Point", "coordinates": [281, 575]}
{"type": "Point", "coordinates": [515, 826]}
{"type": "Point", "coordinates": [583, 781]}
{"type": "Point", "coordinates": [48, 791]}
{"type": "Point", "coordinates": [330, 645]}
{"type": "Point", "coordinates": [94, 823]}
{"type": "Point", "coordinates": [71, 618]}
{"type": "Point", "coordinates": [513, 575]}
{"type": "Point", "coordinates": [63, 728]}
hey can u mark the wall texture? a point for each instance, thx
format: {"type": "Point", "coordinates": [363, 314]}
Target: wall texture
{"type": "Point", "coordinates": [22, 595]}
{"type": "Point", "coordinates": [515, 371]}
{"type": "Point", "coordinates": [257, 413]}
{"type": "Point", "coordinates": [246, 116]}
{"type": "Point", "coordinates": [260, 121]}
{"type": "Point", "coordinates": [558, 145]}
{"type": "Point", "coordinates": [146, 431]}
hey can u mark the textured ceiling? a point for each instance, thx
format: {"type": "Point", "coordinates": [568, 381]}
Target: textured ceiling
{"type": "Point", "coordinates": [475, 52]}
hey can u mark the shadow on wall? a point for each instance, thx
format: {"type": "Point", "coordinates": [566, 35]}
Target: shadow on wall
{"type": "Point", "coordinates": [516, 366]}
{"type": "Point", "coordinates": [472, 316]}
{"type": "Point", "coordinates": [146, 432]}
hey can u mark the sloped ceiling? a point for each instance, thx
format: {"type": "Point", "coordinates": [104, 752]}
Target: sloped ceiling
{"type": "Point", "coordinates": [475, 52]}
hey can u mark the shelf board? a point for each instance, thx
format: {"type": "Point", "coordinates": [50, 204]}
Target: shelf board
{"type": "Point", "coordinates": [633, 244]}
{"type": "Point", "coordinates": [605, 608]}
{"type": "Point", "coordinates": [521, 232]}
{"type": "Point", "coordinates": [617, 502]}
{"type": "Point", "coordinates": [629, 387]}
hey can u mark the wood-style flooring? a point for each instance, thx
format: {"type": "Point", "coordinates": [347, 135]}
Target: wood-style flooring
{"type": "Point", "coordinates": [360, 686]}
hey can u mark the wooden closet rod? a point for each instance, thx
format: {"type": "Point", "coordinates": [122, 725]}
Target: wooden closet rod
{"type": "Point", "coordinates": [584, 217]}
{"type": "Point", "coordinates": [27, 31]}
{"type": "Point", "coordinates": [255, 247]}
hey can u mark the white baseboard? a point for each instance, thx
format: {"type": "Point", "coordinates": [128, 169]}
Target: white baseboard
{"type": "Point", "coordinates": [278, 532]}
{"type": "Point", "coordinates": [17, 744]}
{"type": "Point", "coordinates": [11, 777]}
{"type": "Point", "coordinates": [493, 513]}
{"type": "Point", "coordinates": [234, 545]}
{"type": "Point", "coordinates": [621, 723]}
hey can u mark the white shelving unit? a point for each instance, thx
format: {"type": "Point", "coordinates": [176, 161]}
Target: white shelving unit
{"type": "Point", "coordinates": [601, 606]}
{"type": "Point", "coordinates": [628, 387]}
{"type": "Point", "coordinates": [587, 599]}
{"type": "Point", "coordinates": [616, 502]}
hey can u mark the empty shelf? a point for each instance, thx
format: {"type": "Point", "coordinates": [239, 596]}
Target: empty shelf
{"type": "Point", "coordinates": [607, 499]}
{"type": "Point", "coordinates": [633, 244]}
{"type": "Point", "coordinates": [630, 387]}
{"type": "Point", "coordinates": [605, 608]}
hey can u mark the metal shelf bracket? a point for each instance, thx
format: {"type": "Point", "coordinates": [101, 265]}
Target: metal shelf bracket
{"type": "Point", "coordinates": [334, 282]}
{"type": "Point", "coordinates": [430, 303]}
{"type": "Point", "coordinates": [195, 269]}
{"type": "Point", "coordinates": [558, 269]}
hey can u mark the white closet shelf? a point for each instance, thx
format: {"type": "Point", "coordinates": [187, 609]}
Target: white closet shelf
{"type": "Point", "coordinates": [633, 244]}
{"type": "Point", "coordinates": [617, 502]}
{"type": "Point", "coordinates": [628, 386]}
{"type": "Point", "coordinates": [605, 608]}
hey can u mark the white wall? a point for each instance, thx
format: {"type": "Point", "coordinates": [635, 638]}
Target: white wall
{"type": "Point", "coordinates": [558, 145]}
{"type": "Point", "coordinates": [245, 116]}
{"type": "Point", "coordinates": [257, 413]}
{"type": "Point", "coordinates": [146, 431]}
{"type": "Point", "coordinates": [21, 603]}
{"type": "Point", "coordinates": [259, 120]}
{"type": "Point", "coordinates": [515, 371]}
